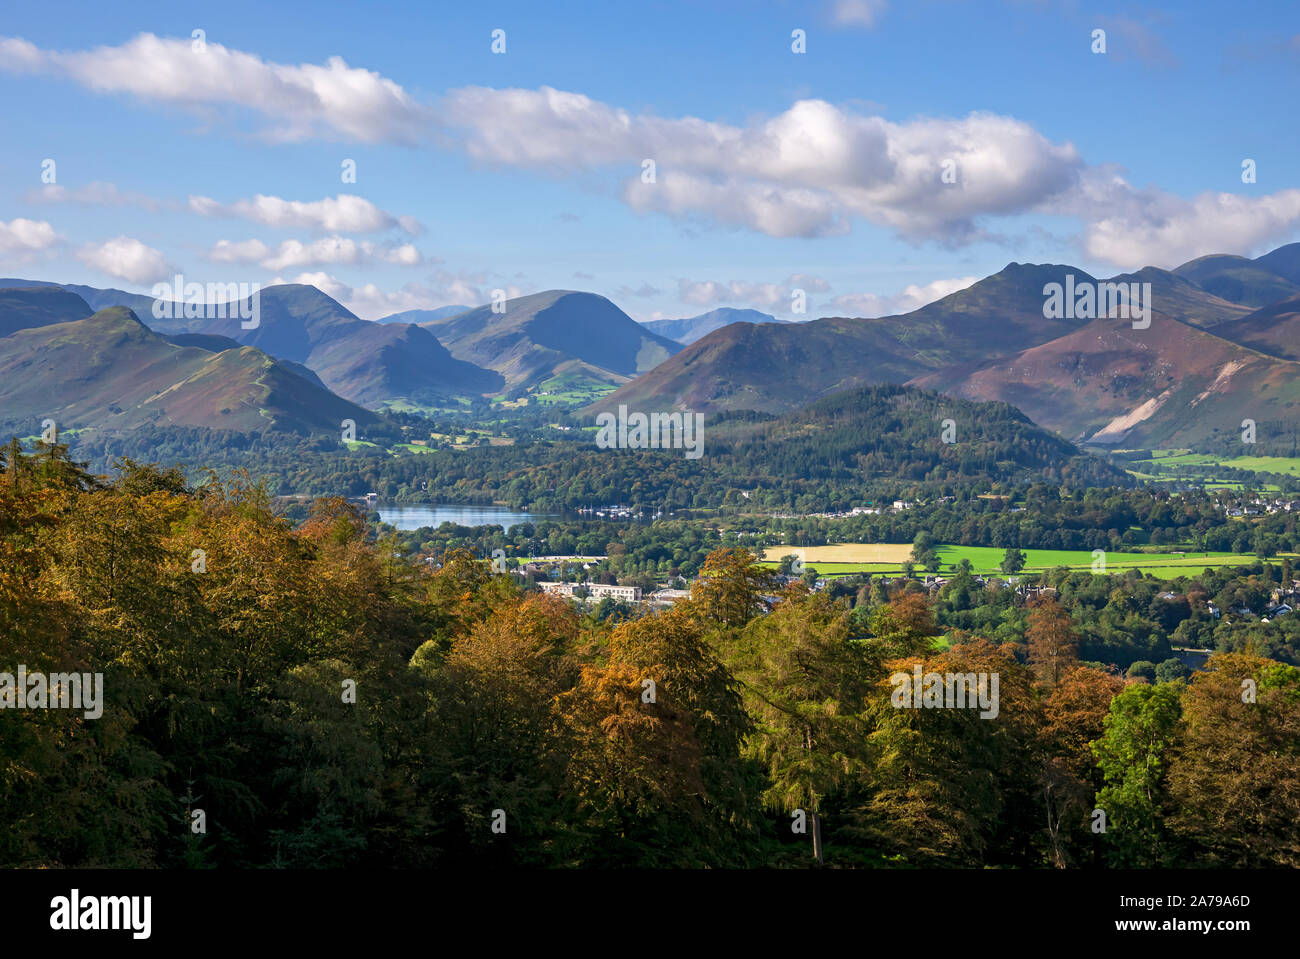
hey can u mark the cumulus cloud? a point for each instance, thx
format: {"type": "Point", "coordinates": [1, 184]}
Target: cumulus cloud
{"type": "Point", "coordinates": [816, 168]}
{"type": "Point", "coordinates": [126, 258]}
{"type": "Point", "coordinates": [805, 172]}
{"type": "Point", "coordinates": [912, 297]}
{"type": "Point", "coordinates": [20, 238]}
{"type": "Point", "coordinates": [371, 302]}
{"type": "Point", "coordinates": [1131, 227]}
{"type": "Point", "coordinates": [345, 213]}
{"type": "Point", "coordinates": [330, 250]}
{"type": "Point", "coordinates": [774, 297]}
{"type": "Point", "coordinates": [297, 100]}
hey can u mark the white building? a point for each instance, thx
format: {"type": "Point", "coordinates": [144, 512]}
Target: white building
{"type": "Point", "coordinates": [595, 590]}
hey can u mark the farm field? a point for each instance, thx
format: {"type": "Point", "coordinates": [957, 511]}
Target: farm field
{"type": "Point", "coordinates": [845, 558]}
{"type": "Point", "coordinates": [846, 553]}
{"type": "Point", "coordinates": [1286, 465]}
{"type": "Point", "coordinates": [1205, 468]}
{"type": "Point", "coordinates": [570, 389]}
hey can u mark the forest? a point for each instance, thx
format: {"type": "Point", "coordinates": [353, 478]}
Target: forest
{"type": "Point", "coordinates": [309, 697]}
{"type": "Point", "coordinates": [872, 443]}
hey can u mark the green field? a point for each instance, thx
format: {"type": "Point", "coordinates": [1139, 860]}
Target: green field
{"type": "Point", "coordinates": [1204, 468]}
{"type": "Point", "coordinates": [570, 389]}
{"type": "Point", "coordinates": [988, 559]}
{"type": "Point", "coordinates": [1283, 465]}
{"type": "Point", "coordinates": [453, 405]}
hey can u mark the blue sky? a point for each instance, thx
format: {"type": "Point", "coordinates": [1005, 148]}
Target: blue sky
{"type": "Point", "coordinates": [774, 170]}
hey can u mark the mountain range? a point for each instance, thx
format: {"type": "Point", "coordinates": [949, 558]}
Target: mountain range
{"type": "Point", "coordinates": [110, 371]}
{"type": "Point", "coordinates": [1221, 347]}
{"type": "Point", "coordinates": [687, 331]}
{"type": "Point", "coordinates": [532, 339]}
{"type": "Point", "coordinates": [423, 316]}
{"type": "Point", "coordinates": [1218, 350]}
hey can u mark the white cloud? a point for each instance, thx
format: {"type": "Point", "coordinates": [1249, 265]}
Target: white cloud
{"type": "Point", "coordinates": [322, 281]}
{"type": "Point", "coordinates": [92, 194]}
{"type": "Point", "coordinates": [371, 302]}
{"type": "Point", "coordinates": [814, 169]}
{"type": "Point", "coordinates": [21, 238]}
{"type": "Point", "coordinates": [326, 251]}
{"type": "Point", "coordinates": [804, 172]}
{"type": "Point", "coordinates": [912, 297]}
{"type": "Point", "coordinates": [345, 213]}
{"type": "Point", "coordinates": [126, 258]}
{"type": "Point", "coordinates": [297, 101]}
{"type": "Point", "coordinates": [857, 13]}
{"type": "Point", "coordinates": [239, 251]}
{"type": "Point", "coordinates": [19, 55]}
{"type": "Point", "coordinates": [774, 297]}
{"type": "Point", "coordinates": [1132, 228]}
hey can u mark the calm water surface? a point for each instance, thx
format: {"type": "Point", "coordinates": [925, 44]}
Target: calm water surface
{"type": "Point", "coordinates": [413, 517]}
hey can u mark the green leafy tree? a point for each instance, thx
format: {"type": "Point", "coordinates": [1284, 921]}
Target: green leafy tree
{"type": "Point", "coordinates": [1134, 755]}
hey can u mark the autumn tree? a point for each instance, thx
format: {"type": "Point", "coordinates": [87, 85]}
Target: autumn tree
{"type": "Point", "coordinates": [675, 651]}
{"type": "Point", "coordinates": [1234, 783]}
{"type": "Point", "coordinates": [731, 586]}
{"type": "Point", "coordinates": [806, 679]}
{"type": "Point", "coordinates": [1074, 712]}
{"type": "Point", "coordinates": [947, 785]}
{"type": "Point", "coordinates": [634, 767]}
{"type": "Point", "coordinates": [495, 734]}
{"type": "Point", "coordinates": [1053, 643]}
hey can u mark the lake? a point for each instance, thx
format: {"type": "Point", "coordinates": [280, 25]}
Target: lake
{"type": "Point", "coordinates": [414, 517]}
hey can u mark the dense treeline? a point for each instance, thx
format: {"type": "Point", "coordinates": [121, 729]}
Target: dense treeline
{"type": "Point", "coordinates": [492, 727]}
{"type": "Point", "coordinates": [866, 444]}
{"type": "Point", "coordinates": [1048, 517]}
{"type": "Point", "coordinates": [1120, 618]}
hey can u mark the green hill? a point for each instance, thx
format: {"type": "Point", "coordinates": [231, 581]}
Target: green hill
{"type": "Point", "coordinates": [110, 371]}
{"type": "Point", "coordinates": [368, 363]}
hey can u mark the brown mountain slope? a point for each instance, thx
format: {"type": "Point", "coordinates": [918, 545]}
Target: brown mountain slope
{"type": "Point", "coordinates": [1274, 330]}
{"type": "Point", "coordinates": [1178, 297]}
{"type": "Point", "coordinates": [1169, 385]}
{"type": "Point", "coordinates": [775, 367]}
{"type": "Point", "coordinates": [365, 362]}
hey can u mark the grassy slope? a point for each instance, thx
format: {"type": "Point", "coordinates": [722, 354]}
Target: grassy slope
{"type": "Point", "coordinates": [111, 371]}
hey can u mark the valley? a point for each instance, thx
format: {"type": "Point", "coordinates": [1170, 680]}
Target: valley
{"type": "Point", "coordinates": [582, 447]}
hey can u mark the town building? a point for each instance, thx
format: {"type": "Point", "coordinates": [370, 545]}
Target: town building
{"type": "Point", "coordinates": [631, 594]}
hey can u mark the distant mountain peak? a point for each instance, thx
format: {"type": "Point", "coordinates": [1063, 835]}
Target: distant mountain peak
{"type": "Point", "coordinates": [689, 329]}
